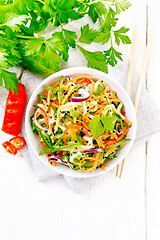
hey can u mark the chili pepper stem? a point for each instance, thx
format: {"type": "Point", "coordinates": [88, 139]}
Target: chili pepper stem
{"type": "Point", "coordinates": [21, 74]}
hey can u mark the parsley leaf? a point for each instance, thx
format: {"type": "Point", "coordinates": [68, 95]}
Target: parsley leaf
{"type": "Point", "coordinates": [121, 37]}
{"type": "Point", "coordinates": [3, 59]}
{"type": "Point", "coordinates": [70, 37]}
{"type": "Point", "coordinates": [96, 126]}
{"type": "Point", "coordinates": [51, 88]}
{"type": "Point", "coordinates": [95, 59]}
{"type": "Point", "coordinates": [121, 5]}
{"type": "Point", "coordinates": [42, 96]}
{"type": "Point", "coordinates": [23, 21]}
{"type": "Point", "coordinates": [64, 52]}
{"type": "Point", "coordinates": [88, 35]}
{"type": "Point", "coordinates": [55, 43]}
{"type": "Point", "coordinates": [108, 122]}
{"type": "Point", "coordinates": [104, 35]}
{"type": "Point", "coordinates": [96, 10]}
{"type": "Point", "coordinates": [74, 114]}
{"type": "Point", "coordinates": [33, 46]}
{"type": "Point", "coordinates": [9, 79]}
{"type": "Point", "coordinates": [61, 11]}
{"type": "Point", "coordinates": [13, 21]}
{"type": "Point", "coordinates": [97, 91]}
{"type": "Point", "coordinates": [44, 60]}
{"type": "Point", "coordinates": [112, 55]}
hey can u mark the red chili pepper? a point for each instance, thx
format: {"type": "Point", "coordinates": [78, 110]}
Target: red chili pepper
{"type": "Point", "coordinates": [110, 141]}
{"type": "Point", "coordinates": [15, 106]}
{"type": "Point", "coordinates": [18, 142]}
{"type": "Point", "coordinates": [83, 80]}
{"type": "Point", "coordinates": [123, 112]}
{"type": "Point", "coordinates": [9, 148]}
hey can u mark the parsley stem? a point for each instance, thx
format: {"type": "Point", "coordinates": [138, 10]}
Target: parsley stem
{"type": "Point", "coordinates": [111, 40]}
{"type": "Point", "coordinates": [21, 36]}
{"type": "Point", "coordinates": [21, 74]}
{"type": "Point", "coordinates": [26, 37]}
{"type": "Point", "coordinates": [41, 31]}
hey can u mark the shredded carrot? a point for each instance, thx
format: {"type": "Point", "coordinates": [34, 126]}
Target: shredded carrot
{"type": "Point", "coordinates": [64, 153]}
{"type": "Point", "coordinates": [76, 78]}
{"type": "Point", "coordinates": [87, 118]}
{"type": "Point", "coordinates": [54, 105]}
{"type": "Point", "coordinates": [106, 95]}
{"type": "Point", "coordinates": [92, 159]}
{"type": "Point", "coordinates": [68, 94]}
{"type": "Point", "coordinates": [82, 169]}
{"type": "Point", "coordinates": [110, 144]}
{"type": "Point", "coordinates": [112, 149]}
{"type": "Point", "coordinates": [59, 99]}
{"type": "Point", "coordinates": [114, 100]}
{"type": "Point", "coordinates": [49, 98]}
{"type": "Point", "coordinates": [103, 168]}
{"type": "Point", "coordinates": [46, 93]}
{"type": "Point", "coordinates": [99, 141]}
{"type": "Point", "coordinates": [84, 124]}
{"type": "Point", "coordinates": [91, 91]}
{"type": "Point", "coordinates": [54, 163]}
{"type": "Point", "coordinates": [73, 132]}
{"type": "Point", "coordinates": [54, 84]}
{"type": "Point", "coordinates": [128, 122]}
{"type": "Point", "coordinates": [122, 134]}
{"type": "Point", "coordinates": [106, 89]}
{"type": "Point", "coordinates": [99, 111]}
{"type": "Point", "coordinates": [95, 162]}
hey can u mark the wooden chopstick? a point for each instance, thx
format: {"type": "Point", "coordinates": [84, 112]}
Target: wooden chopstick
{"type": "Point", "coordinates": [132, 57]}
{"type": "Point", "coordinates": [140, 84]}
{"type": "Point", "coordinates": [143, 72]}
{"type": "Point", "coordinates": [130, 74]}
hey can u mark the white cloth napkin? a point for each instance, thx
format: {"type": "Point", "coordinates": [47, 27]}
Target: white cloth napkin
{"type": "Point", "coordinates": [148, 123]}
{"type": "Point", "coordinates": [148, 115]}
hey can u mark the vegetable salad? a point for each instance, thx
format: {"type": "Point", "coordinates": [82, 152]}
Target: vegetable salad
{"type": "Point", "coordinates": [81, 123]}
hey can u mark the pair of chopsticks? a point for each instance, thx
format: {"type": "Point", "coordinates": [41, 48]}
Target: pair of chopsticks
{"type": "Point", "coordinates": [120, 167]}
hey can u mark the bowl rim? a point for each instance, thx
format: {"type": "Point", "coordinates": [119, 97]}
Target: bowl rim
{"type": "Point", "coordinates": [70, 71]}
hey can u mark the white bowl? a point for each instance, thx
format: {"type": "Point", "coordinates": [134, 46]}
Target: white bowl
{"type": "Point", "coordinates": [122, 95]}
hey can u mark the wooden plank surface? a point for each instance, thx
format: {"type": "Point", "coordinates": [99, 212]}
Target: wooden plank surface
{"type": "Point", "coordinates": [153, 163]}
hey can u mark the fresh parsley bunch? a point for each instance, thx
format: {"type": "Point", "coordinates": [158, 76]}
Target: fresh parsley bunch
{"type": "Point", "coordinates": [23, 21]}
